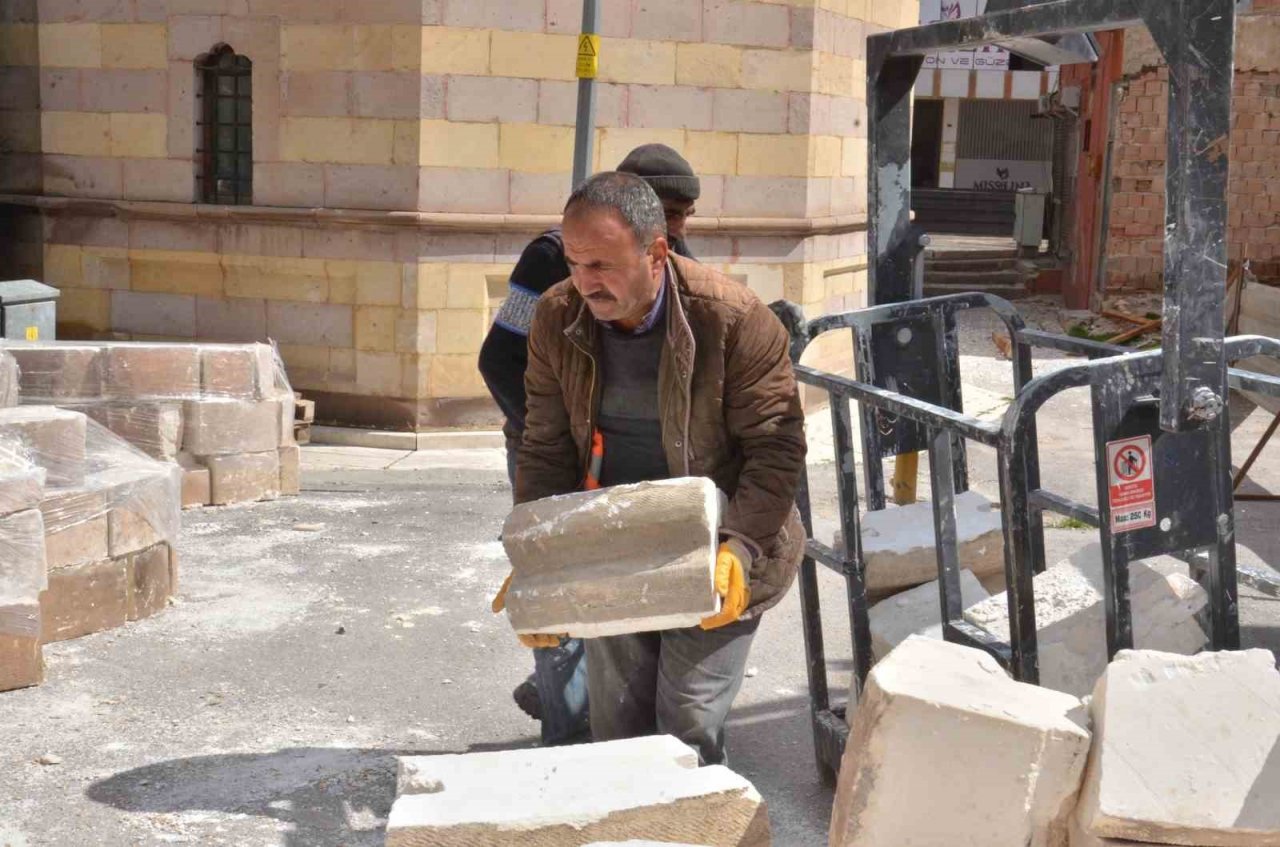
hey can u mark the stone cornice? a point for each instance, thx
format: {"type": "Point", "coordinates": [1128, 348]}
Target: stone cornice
{"type": "Point", "coordinates": [433, 222]}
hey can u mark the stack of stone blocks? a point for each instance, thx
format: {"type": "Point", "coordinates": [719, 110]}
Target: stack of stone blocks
{"type": "Point", "coordinates": [87, 525]}
{"type": "Point", "coordinates": [223, 412]}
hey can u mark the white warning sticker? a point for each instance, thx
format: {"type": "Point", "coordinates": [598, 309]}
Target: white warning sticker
{"type": "Point", "coordinates": [1131, 489]}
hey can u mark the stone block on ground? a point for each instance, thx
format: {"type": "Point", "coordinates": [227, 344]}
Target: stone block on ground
{"type": "Point", "coordinates": [240, 372]}
{"type": "Point", "coordinates": [153, 428]}
{"type": "Point", "coordinates": [195, 487]}
{"type": "Point", "coordinates": [244, 478]}
{"type": "Point", "coordinates": [22, 557]}
{"type": "Point", "coordinates": [290, 470]}
{"type": "Point", "coordinates": [54, 438]}
{"type": "Point", "coordinates": [150, 584]}
{"type": "Point", "coordinates": [936, 716]}
{"type": "Point", "coordinates": [21, 659]}
{"type": "Point", "coordinates": [145, 506]}
{"type": "Point", "coordinates": [225, 427]}
{"type": "Point", "coordinates": [638, 789]}
{"type": "Point", "coordinates": [632, 558]}
{"type": "Point", "coordinates": [79, 542]}
{"type": "Point", "coordinates": [1071, 623]}
{"type": "Point", "coordinates": [916, 612]}
{"type": "Point", "coordinates": [83, 599]}
{"type": "Point", "coordinates": [21, 481]}
{"type": "Point", "coordinates": [59, 372]}
{"type": "Point", "coordinates": [139, 371]}
{"type": "Point", "coordinates": [1186, 750]}
{"type": "Point", "coordinates": [899, 551]}
{"type": "Point", "coordinates": [288, 407]}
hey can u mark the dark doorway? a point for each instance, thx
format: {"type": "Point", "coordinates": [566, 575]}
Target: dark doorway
{"type": "Point", "coordinates": [926, 143]}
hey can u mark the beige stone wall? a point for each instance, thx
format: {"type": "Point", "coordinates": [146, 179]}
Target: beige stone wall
{"type": "Point", "coordinates": [412, 112]}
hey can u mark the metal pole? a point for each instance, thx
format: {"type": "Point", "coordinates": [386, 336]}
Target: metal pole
{"type": "Point", "coordinates": [584, 139]}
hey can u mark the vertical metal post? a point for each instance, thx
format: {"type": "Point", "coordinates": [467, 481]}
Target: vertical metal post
{"type": "Point", "coordinates": [584, 139]}
{"type": "Point", "coordinates": [850, 549]}
{"type": "Point", "coordinates": [889, 83]}
{"type": "Point", "coordinates": [1197, 38]}
{"type": "Point", "coordinates": [811, 626]}
{"type": "Point", "coordinates": [943, 482]}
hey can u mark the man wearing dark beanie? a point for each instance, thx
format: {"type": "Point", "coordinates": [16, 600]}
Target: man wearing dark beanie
{"type": "Point", "coordinates": [556, 694]}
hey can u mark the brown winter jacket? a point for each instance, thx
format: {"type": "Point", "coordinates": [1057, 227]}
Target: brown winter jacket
{"type": "Point", "coordinates": [727, 399]}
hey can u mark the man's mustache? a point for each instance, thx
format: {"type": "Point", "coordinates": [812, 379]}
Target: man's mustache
{"type": "Point", "coordinates": [602, 297]}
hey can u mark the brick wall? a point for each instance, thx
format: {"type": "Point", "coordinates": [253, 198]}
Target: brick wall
{"type": "Point", "coordinates": [1135, 234]}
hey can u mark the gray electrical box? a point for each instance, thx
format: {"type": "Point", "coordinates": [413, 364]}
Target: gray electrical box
{"type": "Point", "coordinates": [1028, 220]}
{"type": "Point", "coordinates": [28, 310]}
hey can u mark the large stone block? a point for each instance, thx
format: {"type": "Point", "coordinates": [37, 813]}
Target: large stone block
{"type": "Point", "coordinates": [995, 763]}
{"type": "Point", "coordinates": [238, 373]}
{"type": "Point", "coordinates": [85, 598]}
{"type": "Point", "coordinates": [145, 509]}
{"type": "Point", "coordinates": [153, 428]}
{"type": "Point", "coordinates": [290, 469]}
{"type": "Point", "coordinates": [641, 788]}
{"type": "Point", "coordinates": [22, 557]}
{"type": "Point", "coordinates": [244, 478]}
{"type": "Point", "coordinates": [1185, 750]}
{"type": "Point", "coordinates": [152, 370]}
{"type": "Point", "coordinates": [1071, 622]}
{"type": "Point", "coordinates": [21, 660]}
{"type": "Point", "coordinates": [21, 482]}
{"type": "Point", "coordinates": [78, 543]}
{"type": "Point", "coordinates": [62, 372]}
{"type": "Point", "coordinates": [215, 427]}
{"type": "Point", "coordinates": [9, 380]}
{"type": "Point", "coordinates": [195, 487]}
{"type": "Point", "coordinates": [899, 550]}
{"type": "Point", "coordinates": [54, 439]}
{"type": "Point", "coordinates": [916, 612]}
{"type": "Point", "coordinates": [632, 558]}
{"type": "Point", "coordinates": [149, 582]}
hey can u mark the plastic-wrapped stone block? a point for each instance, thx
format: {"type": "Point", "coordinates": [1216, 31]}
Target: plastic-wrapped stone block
{"type": "Point", "coordinates": [244, 478]}
{"type": "Point", "coordinates": [1186, 750]}
{"type": "Point", "coordinates": [241, 372]}
{"type": "Point", "coordinates": [83, 599]}
{"type": "Point", "coordinates": [59, 372]}
{"type": "Point", "coordinates": [630, 558]}
{"type": "Point", "coordinates": [21, 659]}
{"type": "Point", "coordinates": [54, 438]}
{"type": "Point", "coordinates": [140, 371]}
{"type": "Point", "coordinates": [9, 385]}
{"type": "Point", "coordinates": [945, 750]}
{"type": "Point", "coordinates": [226, 427]}
{"type": "Point", "coordinates": [154, 428]}
{"type": "Point", "coordinates": [639, 789]}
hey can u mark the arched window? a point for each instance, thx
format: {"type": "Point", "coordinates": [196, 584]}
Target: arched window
{"type": "Point", "coordinates": [225, 93]}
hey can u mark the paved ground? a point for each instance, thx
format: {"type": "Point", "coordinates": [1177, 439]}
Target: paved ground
{"type": "Point", "coordinates": [267, 705]}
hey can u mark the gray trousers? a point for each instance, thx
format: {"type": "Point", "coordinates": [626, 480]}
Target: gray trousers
{"type": "Point", "coordinates": [678, 682]}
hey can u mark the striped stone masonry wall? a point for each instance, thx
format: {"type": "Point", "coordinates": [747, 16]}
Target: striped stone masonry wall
{"type": "Point", "coordinates": [412, 116]}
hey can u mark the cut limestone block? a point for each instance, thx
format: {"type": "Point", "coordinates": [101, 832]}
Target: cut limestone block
{"type": "Point", "coordinates": [21, 481]}
{"type": "Point", "coordinates": [937, 715]}
{"type": "Point", "coordinates": [78, 543]}
{"type": "Point", "coordinates": [145, 507]}
{"type": "Point", "coordinates": [1186, 750]}
{"type": "Point", "coordinates": [152, 370]}
{"type": "Point", "coordinates": [85, 598]}
{"type": "Point", "coordinates": [637, 789]}
{"type": "Point", "coordinates": [290, 469]}
{"type": "Point", "coordinates": [150, 583]}
{"type": "Point", "coordinates": [287, 409]}
{"type": "Point", "coordinates": [1079, 836]}
{"type": "Point", "coordinates": [54, 438]}
{"type": "Point", "coordinates": [632, 558]}
{"type": "Point", "coordinates": [916, 612]}
{"type": "Point", "coordinates": [244, 478]}
{"type": "Point", "coordinates": [63, 372]}
{"type": "Point", "coordinates": [8, 380]}
{"type": "Point", "coordinates": [899, 550]}
{"type": "Point", "coordinates": [1071, 621]}
{"type": "Point", "coordinates": [241, 372]}
{"type": "Point", "coordinates": [153, 428]}
{"type": "Point", "coordinates": [226, 427]}
{"type": "Point", "coordinates": [21, 659]}
{"type": "Point", "coordinates": [195, 487]}
{"type": "Point", "coordinates": [22, 563]}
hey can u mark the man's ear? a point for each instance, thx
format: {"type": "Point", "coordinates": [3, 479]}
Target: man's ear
{"type": "Point", "coordinates": [658, 251]}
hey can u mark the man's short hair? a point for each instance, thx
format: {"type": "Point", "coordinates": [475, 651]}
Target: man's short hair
{"type": "Point", "coordinates": [626, 195]}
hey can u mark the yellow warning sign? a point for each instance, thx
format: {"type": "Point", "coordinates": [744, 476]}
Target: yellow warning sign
{"type": "Point", "coordinates": [588, 56]}
{"type": "Point", "coordinates": [33, 333]}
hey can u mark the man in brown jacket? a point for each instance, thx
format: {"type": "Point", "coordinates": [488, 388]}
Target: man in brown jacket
{"type": "Point", "coordinates": [679, 371]}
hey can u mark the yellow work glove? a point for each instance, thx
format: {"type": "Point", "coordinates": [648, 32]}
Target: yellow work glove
{"type": "Point", "coordinates": [531, 640]}
{"type": "Point", "coordinates": [733, 561]}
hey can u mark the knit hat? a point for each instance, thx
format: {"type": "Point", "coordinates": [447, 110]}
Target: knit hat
{"type": "Point", "coordinates": [665, 170]}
